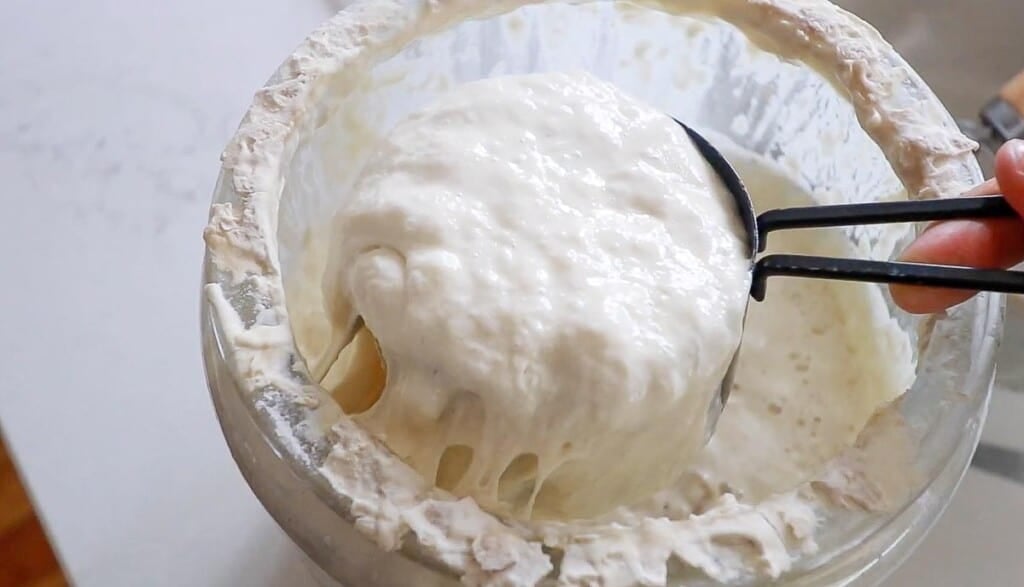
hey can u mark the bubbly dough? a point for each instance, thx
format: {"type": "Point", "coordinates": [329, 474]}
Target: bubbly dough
{"type": "Point", "coordinates": [556, 280]}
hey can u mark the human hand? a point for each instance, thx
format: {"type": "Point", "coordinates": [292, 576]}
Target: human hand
{"type": "Point", "coordinates": [984, 244]}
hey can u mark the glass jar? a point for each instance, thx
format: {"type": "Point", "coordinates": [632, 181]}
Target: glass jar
{"type": "Point", "coordinates": [719, 73]}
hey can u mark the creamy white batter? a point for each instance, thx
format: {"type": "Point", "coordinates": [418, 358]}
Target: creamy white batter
{"type": "Point", "coordinates": [819, 358]}
{"type": "Point", "coordinates": [732, 538]}
{"type": "Point", "coordinates": [556, 280]}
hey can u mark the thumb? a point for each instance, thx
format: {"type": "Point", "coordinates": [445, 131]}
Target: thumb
{"type": "Point", "coordinates": [1010, 173]}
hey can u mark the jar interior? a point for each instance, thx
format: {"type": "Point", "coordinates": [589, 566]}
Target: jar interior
{"type": "Point", "coordinates": [702, 71]}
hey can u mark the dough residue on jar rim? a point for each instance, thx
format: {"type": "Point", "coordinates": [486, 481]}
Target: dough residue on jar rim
{"type": "Point", "coordinates": [389, 501]}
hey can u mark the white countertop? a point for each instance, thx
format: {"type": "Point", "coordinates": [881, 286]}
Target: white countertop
{"type": "Point", "coordinates": [112, 117]}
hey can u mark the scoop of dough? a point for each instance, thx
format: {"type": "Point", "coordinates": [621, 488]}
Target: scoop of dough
{"type": "Point", "coordinates": [556, 281]}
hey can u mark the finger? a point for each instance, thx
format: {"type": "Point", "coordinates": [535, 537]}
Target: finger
{"type": "Point", "coordinates": [1010, 173]}
{"type": "Point", "coordinates": [986, 244]}
{"type": "Point", "coordinates": [989, 188]}
{"type": "Point", "coordinates": [983, 244]}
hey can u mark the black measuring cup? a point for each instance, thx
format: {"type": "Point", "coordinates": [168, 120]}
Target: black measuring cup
{"type": "Point", "coordinates": [758, 227]}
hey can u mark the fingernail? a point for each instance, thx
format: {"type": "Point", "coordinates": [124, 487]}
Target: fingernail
{"type": "Point", "coordinates": [986, 187]}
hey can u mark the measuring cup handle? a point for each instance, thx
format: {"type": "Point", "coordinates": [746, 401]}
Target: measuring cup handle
{"type": "Point", "coordinates": [881, 213]}
{"type": "Point", "coordinates": [883, 272]}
